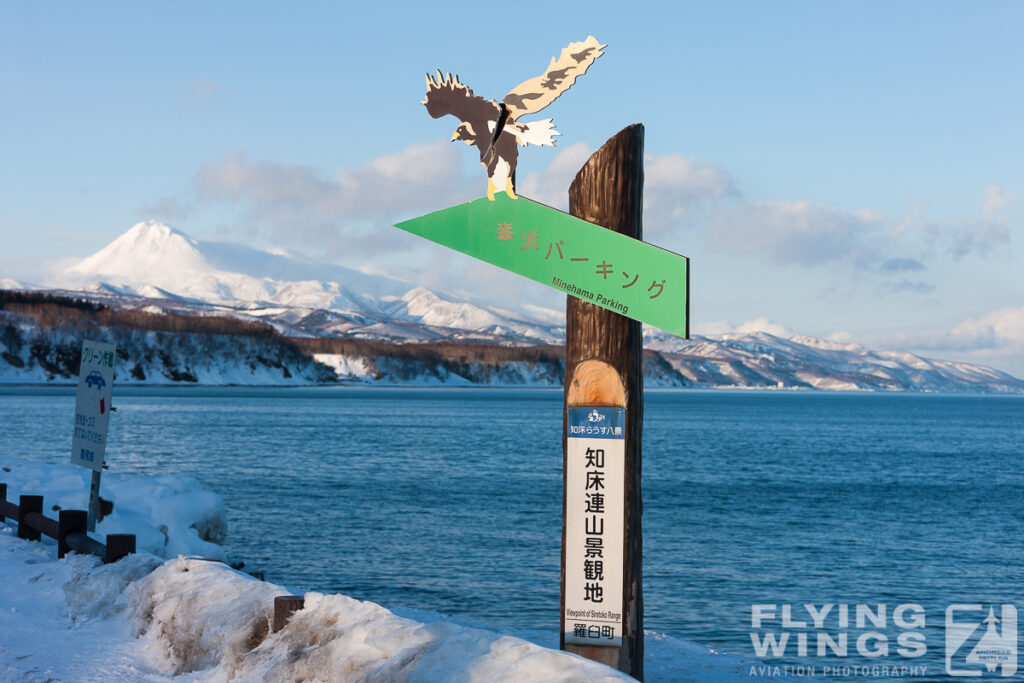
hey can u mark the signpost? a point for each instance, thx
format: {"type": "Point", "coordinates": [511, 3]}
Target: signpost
{"type": "Point", "coordinates": [614, 282]}
{"type": "Point", "coordinates": [92, 415]}
{"type": "Point", "coordinates": [605, 268]}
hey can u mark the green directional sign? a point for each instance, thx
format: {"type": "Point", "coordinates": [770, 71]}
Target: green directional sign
{"type": "Point", "coordinates": [630, 277]}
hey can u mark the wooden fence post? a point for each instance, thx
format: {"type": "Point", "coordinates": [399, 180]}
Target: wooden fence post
{"type": "Point", "coordinates": [118, 546]}
{"type": "Point", "coordinates": [69, 521]}
{"type": "Point", "coordinates": [27, 504]}
{"type": "Point", "coordinates": [608, 191]}
{"type": "Point", "coordinates": [284, 607]}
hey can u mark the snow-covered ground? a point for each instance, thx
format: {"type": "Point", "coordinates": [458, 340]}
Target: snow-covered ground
{"type": "Point", "coordinates": [147, 618]}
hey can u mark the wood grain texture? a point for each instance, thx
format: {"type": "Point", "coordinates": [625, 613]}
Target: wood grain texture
{"type": "Point", "coordinates": [608, 191]}
{"type": "Point", "coordinates": [595, 383]}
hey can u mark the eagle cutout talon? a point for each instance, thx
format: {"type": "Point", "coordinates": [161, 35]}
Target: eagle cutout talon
{"type": "Point", "coordinates": [479, 118]}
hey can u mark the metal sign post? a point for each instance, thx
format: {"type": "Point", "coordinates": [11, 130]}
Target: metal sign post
{"type": "Point", "coordinates": [92, 416]}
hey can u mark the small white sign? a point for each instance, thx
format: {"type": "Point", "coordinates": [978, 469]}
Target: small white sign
{"type": "Point", "coordinates": [92, 406]}
{"type": "Point", "coordinates": [594, 521]}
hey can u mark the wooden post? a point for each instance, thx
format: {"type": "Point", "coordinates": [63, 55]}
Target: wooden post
{"type": "Point", "coordinates": [603, 367]}
{"type": "Point", "coordinates": [69, 521]}
{"type": "Point", "coordinates": [284, 607]}
{"type": "Point", "coordinates": [118, 546]}
{"type": "Point", "coordinates": [26, 505]}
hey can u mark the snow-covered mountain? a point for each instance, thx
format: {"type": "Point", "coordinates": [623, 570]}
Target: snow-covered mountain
{"type": "Point", "coordinates": [156, 269]}
{"type": "Point", "coordinates": [760, 359]}
{"type": "Point", "coordinates": [154, 261]}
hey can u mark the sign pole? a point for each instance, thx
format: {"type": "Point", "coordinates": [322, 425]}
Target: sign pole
{"type": "Point", "coordinates": [92, 416]}
{"type": "Point", "coordinates": [94, 500]}
{"type": "Point", "coordinates": [604, 356]}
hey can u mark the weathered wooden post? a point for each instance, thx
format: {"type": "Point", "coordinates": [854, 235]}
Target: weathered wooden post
{"type": "Point", "coordinates": [284, 607]}
{"type": "Point", "coordinates": [69, 522]}
{"type": "Point", "coordinates": [26, 506]}
{"type": "Point", "coordinates": [118, 546]}
{"type": "Point", "coordinates": [604, 356]}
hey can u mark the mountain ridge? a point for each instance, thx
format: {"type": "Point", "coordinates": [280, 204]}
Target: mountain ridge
{"type": "Point", "coordinates": [158, 269]}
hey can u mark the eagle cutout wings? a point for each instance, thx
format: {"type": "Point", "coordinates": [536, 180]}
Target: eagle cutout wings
{"type": "Point", "coordinates": [533, 95]}
{"type": "Point", "coordinates": [479, 118]}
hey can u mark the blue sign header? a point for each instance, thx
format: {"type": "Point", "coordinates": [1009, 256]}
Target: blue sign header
{"type": "Point", "coordinates": [589, 422]}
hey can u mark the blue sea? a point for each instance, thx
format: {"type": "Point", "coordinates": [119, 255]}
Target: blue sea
{"type": "Point", "coordinates": [903, 511]}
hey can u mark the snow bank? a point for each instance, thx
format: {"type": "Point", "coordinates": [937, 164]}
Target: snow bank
{"type": "Point", "coordinates": [169, 515]}
{"type": "Point", "coordinates": [191, 619]}
{"type": "Point", "coordinates": [202, 616]}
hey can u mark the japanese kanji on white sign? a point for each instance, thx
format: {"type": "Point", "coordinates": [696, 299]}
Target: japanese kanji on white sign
{"type": "Point", "coordinates": [92, 406]}
{"type": "Point", "coordinates": [594, 514]}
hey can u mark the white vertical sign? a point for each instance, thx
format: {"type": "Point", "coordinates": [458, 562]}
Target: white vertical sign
{"type": "Point", "coordinates": [594, 520]}
{"type": "Point", "coordinates": [92, 405]}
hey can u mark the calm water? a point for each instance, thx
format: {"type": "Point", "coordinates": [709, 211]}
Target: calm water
{"type": "Point", "coordinates": [450, 500]}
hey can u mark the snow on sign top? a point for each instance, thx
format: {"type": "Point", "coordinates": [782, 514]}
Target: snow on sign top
{"type": "Point", "coordinates": [92, 405]}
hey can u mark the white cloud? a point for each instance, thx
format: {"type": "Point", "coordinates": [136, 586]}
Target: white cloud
{"type": "Point", "coordinates": [762, 324]}
{"type": "Point", "coordinates": [552, 186]}
{"type": "Point", "coordinates": [712, 329]}
{"type": "Point", "coordinates": [906, 285]}
{"type": "Point", "coordinates": [999, 327]}
{"type": "Point", "coordinates": [674, 185]}
{"type": "Point", "coordinates": [677, 187]}
{"type": "Point", "coordinates": [841, 337]}
{"type": "Point", "coordinates": [985, 235]}
{"type": "Point", "coordinates": [995, 339]}
{"type": "Point", "coordinates": [997, 198]}
{"type": "Point", "coordinates": [795, 232]}
{"type": "Point", "coordinates": [350, 213]}
{"type": "Point", "coordinates": [897, 265]}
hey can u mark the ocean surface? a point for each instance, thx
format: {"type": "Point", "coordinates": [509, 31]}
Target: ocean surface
{"type": "Point", "coordinates": [449, 500]}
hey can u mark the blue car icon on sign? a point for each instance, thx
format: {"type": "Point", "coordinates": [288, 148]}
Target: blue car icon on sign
{"type": "Point", "coordinates": [95, 379]}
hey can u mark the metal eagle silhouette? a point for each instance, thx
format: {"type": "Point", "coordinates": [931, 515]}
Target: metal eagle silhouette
{"type": "Point", "coordinates": [494, 128]}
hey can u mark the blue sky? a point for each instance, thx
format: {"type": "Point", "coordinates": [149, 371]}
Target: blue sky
{"type": "Point", "coordinates": [843, 169]}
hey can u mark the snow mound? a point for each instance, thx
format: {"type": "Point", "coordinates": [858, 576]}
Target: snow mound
{"type": "Point", "coordinates": [202, 616]}
{"type": "Point", "coordinates": [169, 515]}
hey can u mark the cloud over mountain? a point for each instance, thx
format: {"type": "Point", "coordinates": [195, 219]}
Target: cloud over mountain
{"type": "Point", "coordinates": [795, 232]}
{"type": "Point", "coordinates": [344, 214]}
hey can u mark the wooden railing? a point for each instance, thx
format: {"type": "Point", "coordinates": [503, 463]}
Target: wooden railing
{"type": "Point", "coordinates": [69, 529]}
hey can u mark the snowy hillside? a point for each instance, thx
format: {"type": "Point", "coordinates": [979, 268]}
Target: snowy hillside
{"type": "Point", "coordinates": [760, 359]}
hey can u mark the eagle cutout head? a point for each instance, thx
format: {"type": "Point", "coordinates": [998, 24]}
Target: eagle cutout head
{"type": "Point", "coordinates": [465, 133]}
{"type": "Point", "coordinates": [479, 118]}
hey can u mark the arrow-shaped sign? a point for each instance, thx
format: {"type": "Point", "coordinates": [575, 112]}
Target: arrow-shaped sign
{"type": "Point", "coordinates": [630, 277]}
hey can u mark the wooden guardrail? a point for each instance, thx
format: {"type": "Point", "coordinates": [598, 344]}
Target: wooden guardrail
{"type": "Point", "coordinates": [69, 530]}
